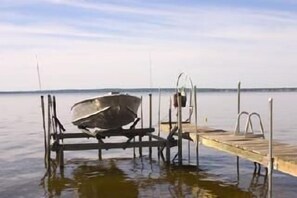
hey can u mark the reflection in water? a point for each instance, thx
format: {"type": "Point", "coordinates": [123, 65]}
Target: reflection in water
{"type": "Point", "coordinates": [259, 185]}
{"type": "Point", "coordinates": [91, 179]}
{"type": "Point", "coordinates": [136, 178]}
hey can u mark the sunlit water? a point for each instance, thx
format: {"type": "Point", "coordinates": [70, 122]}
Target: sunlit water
{"type": "Point", "coordinates": [121, 175]}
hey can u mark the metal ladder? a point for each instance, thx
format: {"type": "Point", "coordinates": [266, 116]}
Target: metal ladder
{"type": "Point", "coordinates": [249, 124]}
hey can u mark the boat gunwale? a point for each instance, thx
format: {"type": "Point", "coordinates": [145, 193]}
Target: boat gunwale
{"type": "Point", "coordinates": [90, 115]}
{"type": "Point", "coordinates": [97, 97]}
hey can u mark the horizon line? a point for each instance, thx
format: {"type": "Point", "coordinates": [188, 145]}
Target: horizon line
{"type": "Point", "coordinates": [146, 89]}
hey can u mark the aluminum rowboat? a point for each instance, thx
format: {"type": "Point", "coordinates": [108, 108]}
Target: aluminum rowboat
{"type": "Point", "coordinates": [105, 112]}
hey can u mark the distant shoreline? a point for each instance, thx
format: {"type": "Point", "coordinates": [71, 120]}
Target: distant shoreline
{"type": "Point", "coordinates": [135, 90]}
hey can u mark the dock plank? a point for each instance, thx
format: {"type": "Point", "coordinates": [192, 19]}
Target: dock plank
{"type": "Point", "coordinates": [250, 147]}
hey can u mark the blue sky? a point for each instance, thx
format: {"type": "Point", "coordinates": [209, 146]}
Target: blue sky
{"type": "Point", "coordinates": [108, 44]}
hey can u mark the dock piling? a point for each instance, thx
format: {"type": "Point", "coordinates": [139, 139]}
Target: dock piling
{"type": "Point", "coordinates": [159, 121]}
{"type": "Point", "coordinates": [179, 120]}
{"type": "Point", "coordinates": [44, 130]}
{"type": "Point", "coordinates": [169, 137]}
{"type": "Point", "coordinates": [141, 125]}
{"type": "Point", "coordinates": [99, 149]}
{"type": "Point", "coordinates": [48, 156]}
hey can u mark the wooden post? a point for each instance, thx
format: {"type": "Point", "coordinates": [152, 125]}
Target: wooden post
{"type": "Point", "coordinates": [150, 123]}
{"type": "Point", "coordinates": [60, 155]}
{"type": "Point", "coordinates": [54, 116]}
{"type": "Point", "coordinates": [159, 121]}
{"type": "Point", "coordinates": [169, 139]}
{"type": "Point", "coordinates": [270, 166]}
{"type": "Point", "coordinates": [49, 136]}
{"type": "Point", "coordinates": [168, 152]}
{"type": "Point", "coordinates": [134, 153]}
{"type": "Point", "coordinates": [44, 131]}
{"type": "Point", "coordinates": [99, 149]}
{"type": "Point", "coordinates": [141, 123]}
{"type": "Point", "coordinates": [179, 116]}
{"type": "Point", "coordinates": [60, 150]}
{"type": "Point", "coordinates": [56, 137]}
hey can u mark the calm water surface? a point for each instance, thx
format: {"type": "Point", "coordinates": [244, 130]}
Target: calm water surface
{"type": "Point", "coordinates": [121, 175]}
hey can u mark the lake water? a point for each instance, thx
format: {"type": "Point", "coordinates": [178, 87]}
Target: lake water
{"type": "Point", "coordinates": [121, 175]}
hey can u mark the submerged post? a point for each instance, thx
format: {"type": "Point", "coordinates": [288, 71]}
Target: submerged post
{"type": "Point", "coordinates": [99, 149]}
{"type": "Point", "coordinates": [150, 123]}
{"type": "Point", "coordinates": [270, 166]}
{"type": "Point", "coordinates": [179, 116]}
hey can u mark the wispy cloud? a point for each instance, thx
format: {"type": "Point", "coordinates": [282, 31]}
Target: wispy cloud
{"type": "Point", "coordinates": [171, 22]}
{"type": "Point", "coordinates": [119, 8]}
{"type": "Point", "coordinates": [200, 38]}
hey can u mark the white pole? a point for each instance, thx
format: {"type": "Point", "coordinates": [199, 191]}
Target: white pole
{"type": "Point", "coordinates": [238, 112]}
{"type": "Point", "coordinates": [159, 120]}
{"type": "Point", "coordinates": [270, 166]}
{"type": "Point", "coordinates": [238, 98]}
{"type": "Point", "coordinates": [196, 126]}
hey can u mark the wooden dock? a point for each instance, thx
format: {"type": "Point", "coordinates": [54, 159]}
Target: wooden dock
{"type": "Point", "coordinates": [251, 147]}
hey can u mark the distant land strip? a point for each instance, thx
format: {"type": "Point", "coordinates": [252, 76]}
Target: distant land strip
{"type": "Point", "coordinates": [134, 90]}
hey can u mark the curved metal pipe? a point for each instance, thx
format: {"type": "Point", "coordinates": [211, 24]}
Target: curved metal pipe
{"type": "Point", "coordinates": [237, 129]}
{"type": "Point", "coordinates": [249, 123]}
{"type": "Point", "coordinates": [180, 89]}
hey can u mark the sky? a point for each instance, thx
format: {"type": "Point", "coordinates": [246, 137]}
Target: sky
{"type": "Point", "coordinates": [88, 44]}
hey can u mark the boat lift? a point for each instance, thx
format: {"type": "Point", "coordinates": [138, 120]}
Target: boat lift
{"type": "Point", "coordinates": [55, 136]}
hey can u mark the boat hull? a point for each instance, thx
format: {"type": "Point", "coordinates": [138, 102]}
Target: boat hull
{"type": "Point", "coordinates": [105, 112]}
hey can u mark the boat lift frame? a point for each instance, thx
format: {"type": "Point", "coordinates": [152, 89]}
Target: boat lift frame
{"type": "Point", "coordinates": [55, 137]}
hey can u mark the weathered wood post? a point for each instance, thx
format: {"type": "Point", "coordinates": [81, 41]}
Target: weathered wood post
{"type": "Point", "coordinates": [141, 123]}
{"type": "Point", "coordinates": [168, 151]}
{"type": "Point", "coordinates": [48, 157]}
{"type": "Point", "coordinates": [134, 153]}
{"type": "Point", "coordinates": [54, 116]}
{"type": "Point", "coordinates": [159, 121]}
{"type": "Point", "coordinates": [168, 139]}
{"type": "Point", "coordinates": [44, 131]}
{"type": "Point", "coordinates": [179, 118]}
{"type": "Point", "coordinates": [59, 151]}
{"type": "Point", "coordinates": [99, 149]}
